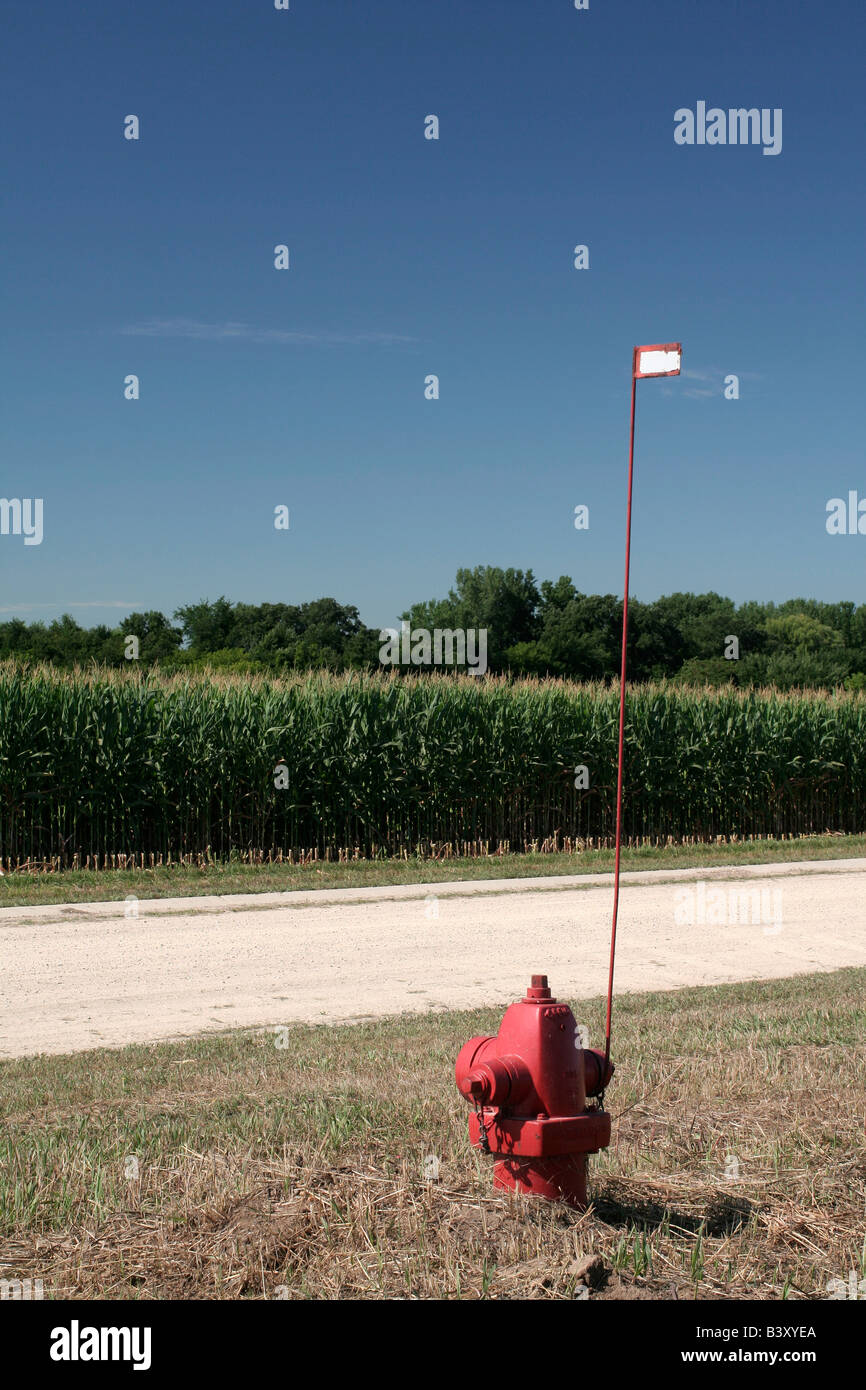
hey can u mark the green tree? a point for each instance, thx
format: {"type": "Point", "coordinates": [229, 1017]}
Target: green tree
{"type": "Point", "coordinates": [206, 626]}
{"type": "Point", "coordinates": [505, 602]}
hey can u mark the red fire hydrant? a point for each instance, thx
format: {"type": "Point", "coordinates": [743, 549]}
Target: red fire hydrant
{"type": "Point", "coordinates": [530, 1086]}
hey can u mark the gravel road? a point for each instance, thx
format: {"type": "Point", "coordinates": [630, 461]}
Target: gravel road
{"type": "Point", "coordinates": [98, 975]}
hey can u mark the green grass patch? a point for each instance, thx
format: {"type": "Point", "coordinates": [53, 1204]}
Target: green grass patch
{"type": "Point", "coordinates": [180, 881]}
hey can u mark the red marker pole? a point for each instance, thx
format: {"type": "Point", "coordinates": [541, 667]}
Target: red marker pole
{"type": "Point", "coordinates": [659, 359]}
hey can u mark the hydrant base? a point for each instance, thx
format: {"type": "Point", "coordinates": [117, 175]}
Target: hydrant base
{"type": "Point", "coordinates": [560, 1179]}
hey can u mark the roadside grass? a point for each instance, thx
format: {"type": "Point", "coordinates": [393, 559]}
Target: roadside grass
{"type": "Point", "coordinates": [333, 1162]}
{"type": "Point", "coordinates": [29, 889]}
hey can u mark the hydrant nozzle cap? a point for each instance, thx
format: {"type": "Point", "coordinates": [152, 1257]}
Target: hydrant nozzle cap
{"type": "Point", "coordinates": [538, 988]}
{"type": "Point", "coordinates": [474, 1086]}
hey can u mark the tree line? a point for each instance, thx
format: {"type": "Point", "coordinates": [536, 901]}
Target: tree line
{"type": "Point", "coordinates": [546, 629]}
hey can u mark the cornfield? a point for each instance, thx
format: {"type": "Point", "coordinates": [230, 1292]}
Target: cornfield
{"type": "Point", "coordinates": [95, 763]}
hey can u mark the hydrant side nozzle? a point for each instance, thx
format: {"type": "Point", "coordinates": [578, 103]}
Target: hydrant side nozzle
{"type": "Point", "coordinates": [467, 1063]}
{"type": "Point", "coordinates": [598, 1076]}
{"type": "Point", "coordinates": [496, 1081]}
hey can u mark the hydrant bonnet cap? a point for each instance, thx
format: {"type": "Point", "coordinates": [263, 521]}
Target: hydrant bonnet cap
{"type": "Point", "coordinates": [538, 988]}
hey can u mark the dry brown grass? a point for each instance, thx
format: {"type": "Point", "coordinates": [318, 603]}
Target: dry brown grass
{"type": "Point", "coordinates": [270, 1172]}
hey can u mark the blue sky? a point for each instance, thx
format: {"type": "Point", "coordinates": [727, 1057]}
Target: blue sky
{"type": "Point", "coordinates": [410, 257]}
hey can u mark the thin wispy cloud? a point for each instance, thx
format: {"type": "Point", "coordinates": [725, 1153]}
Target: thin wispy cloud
{"type": "Point", "coordinates": [232, 331]}
{"type": "Point", "coordinates": [128, 605]}
{"type": "Point", "coordinates": [714, 375]}
{"type": "Point", "coordinates": [701, 393]}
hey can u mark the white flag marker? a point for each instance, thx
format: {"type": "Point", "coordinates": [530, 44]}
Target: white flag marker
{"type": "Point", "coordinates": [659, 359]}
{"type": "Point", "coordinates": [654, 359]}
